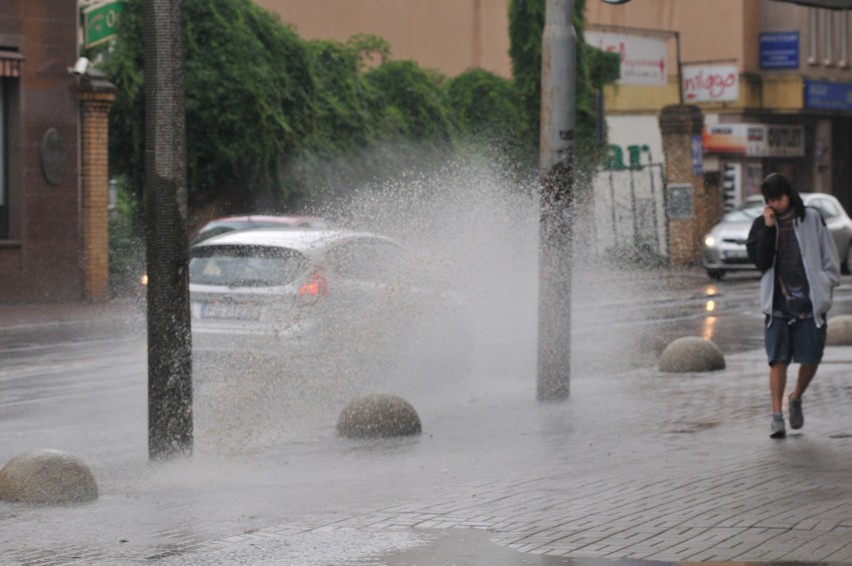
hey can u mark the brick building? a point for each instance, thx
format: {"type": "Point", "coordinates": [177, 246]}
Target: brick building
{"type": "Point", "coordinates": [53, 173]}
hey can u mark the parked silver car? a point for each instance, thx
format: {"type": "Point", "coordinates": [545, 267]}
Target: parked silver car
{"type": "Point", "coordinates": [310, 295]}
{"type": "Point", "coordinates": [725, 245]}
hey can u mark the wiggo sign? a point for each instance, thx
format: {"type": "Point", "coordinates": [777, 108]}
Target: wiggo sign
{"type": "Point", "coordinates": [711, 83]}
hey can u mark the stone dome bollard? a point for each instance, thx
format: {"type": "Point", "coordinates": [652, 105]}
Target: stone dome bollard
{"type": "Point", "coordinates": [690, 354]}
{"type": "Point", "coordinates": [839, 330]}
{"type": "Point", "coordinates": [47, 476]}
{"type": "Point", "coordinates": [378, 416]}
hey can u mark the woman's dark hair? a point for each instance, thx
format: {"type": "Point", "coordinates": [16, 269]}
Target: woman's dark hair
{"type": "Point", "coordinates": [775, 185]}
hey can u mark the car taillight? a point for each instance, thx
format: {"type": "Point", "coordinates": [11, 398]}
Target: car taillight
{"type": "Point", "coordinates": [315, 287]}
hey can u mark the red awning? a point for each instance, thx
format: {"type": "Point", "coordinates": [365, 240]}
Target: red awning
{"type": "Point", "coordinates": [10, 63]}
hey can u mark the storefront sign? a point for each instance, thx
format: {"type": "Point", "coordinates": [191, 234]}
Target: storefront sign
{"type": "Point", "coordinates": [779, 50]}
{"type": "Point", "coordinates": [635, 141]}
{"type": "Point", "coordinates": [710, 83]}
{"type": "Point", "coordinates": [101, 20]}
{"type": "Point", "coordinates": [785, 141]}
{"type": "Point", "coordinates": [755, 140]}
{"type": "Point", "coordinates": [643, 59]}
{"type": "Point", "coordinates": [730, 139]}
{"type": "Point", "coordinates": [824, 95]}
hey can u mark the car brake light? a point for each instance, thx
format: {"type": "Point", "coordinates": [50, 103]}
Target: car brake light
{"type": "Point", "coordinates": [317, 286]}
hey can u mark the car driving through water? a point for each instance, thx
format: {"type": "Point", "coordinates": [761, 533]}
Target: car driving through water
{"type": "Point", "coordinates": [247, 221]}
{"type": "Point", "coordinates": [310, 295]}
{"type": "Point", "coordinates": [725, 245]}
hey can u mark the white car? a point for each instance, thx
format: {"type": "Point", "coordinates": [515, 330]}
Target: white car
{"type": "Point", "coordinates": [248, 221]}
{"type": "Point", "coordinates": [725, 245]}
{"type": "Point", "coordinates": [306, 296]}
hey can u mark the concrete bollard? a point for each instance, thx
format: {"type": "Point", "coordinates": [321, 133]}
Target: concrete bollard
{"type": "Point", "coordinates": [378, 416]}
{"type": "Point", "coordinates": [691, 354]}
{"type": "Point", "coordinates": [47, 476]}
{"type": "Point", "coordinates": [839, 330]}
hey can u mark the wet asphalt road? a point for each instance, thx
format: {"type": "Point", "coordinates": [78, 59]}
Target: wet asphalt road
{"type": "Point", "coordinates": [683, 302]}
{"type": "Point", "coordinates": [621, 321]}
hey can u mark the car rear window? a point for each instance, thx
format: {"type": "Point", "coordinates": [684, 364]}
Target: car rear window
{"type": "Point", "coordinates": [245, 266]}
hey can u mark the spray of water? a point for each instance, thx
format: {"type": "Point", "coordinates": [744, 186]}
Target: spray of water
{"type": "Point", "coordinates": [470, 235]}
{"type": "Point", "coordinates": [470, 230]}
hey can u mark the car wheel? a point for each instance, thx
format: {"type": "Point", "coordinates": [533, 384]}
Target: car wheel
{"type": "Point", "coordinates": [716, 274]}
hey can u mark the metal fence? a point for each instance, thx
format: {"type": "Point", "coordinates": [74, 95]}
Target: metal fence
{"type": "Point", "coordinates": [626, 212]}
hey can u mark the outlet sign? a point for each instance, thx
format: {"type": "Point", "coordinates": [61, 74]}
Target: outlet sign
{"type": "Point", "coordinates": [755, 140]}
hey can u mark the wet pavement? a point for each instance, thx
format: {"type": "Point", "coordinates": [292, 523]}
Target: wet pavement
{"type": "Point", "coordinates": [637, 467]}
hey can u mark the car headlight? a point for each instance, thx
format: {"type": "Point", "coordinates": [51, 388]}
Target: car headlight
{"type": "Point", "coordinates": [710, 242]}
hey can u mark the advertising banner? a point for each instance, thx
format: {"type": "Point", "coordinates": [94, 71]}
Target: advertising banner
{"type": "Point", "coordinates": [643, 59]}
{"type": "Point", "coordinates": [755, 140]}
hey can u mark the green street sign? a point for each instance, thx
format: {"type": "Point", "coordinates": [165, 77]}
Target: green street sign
{"type": "Point", "coordinates": [100, 21]}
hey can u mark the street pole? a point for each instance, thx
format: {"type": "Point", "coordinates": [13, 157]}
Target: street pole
{"type": "Point", "coordinates": [559, 44]}
{"type": "Point", "coordinates": [167, 254]}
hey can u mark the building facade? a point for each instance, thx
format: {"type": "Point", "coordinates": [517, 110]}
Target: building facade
{"type": "Point", "coordinates": [448, 35]}
{"type": "Point", "coordinates": [53, 133]}
{"type": "Point", "coordinates": [772, 81]}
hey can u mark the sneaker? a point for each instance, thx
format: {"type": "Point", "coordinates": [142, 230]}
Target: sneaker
{"type": "Point", "coordinates": [777, 429]}
{"type": "Point", "coordinates": [797, 419]}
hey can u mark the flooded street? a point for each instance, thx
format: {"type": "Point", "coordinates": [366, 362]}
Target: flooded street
{"type": "Point", "coordinates": [270, 482]}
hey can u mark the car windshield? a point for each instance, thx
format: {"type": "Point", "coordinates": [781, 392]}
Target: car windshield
{"type": "Point", "coordinates": [245, 266]}
{"type": "Point", "coordinates": [743, 214]}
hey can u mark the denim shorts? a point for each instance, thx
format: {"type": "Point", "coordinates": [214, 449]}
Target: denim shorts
{"type": "Point", "coordinates": [798, 340]}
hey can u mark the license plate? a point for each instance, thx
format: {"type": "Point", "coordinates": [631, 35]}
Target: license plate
{"type": "Point", "coordinates": [236, 311]}
{"type": "Point", "coordinates": [736, 254]}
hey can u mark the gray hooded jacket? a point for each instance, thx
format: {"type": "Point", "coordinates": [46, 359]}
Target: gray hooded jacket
{"type": "Point", "coordinates": [819, 256]}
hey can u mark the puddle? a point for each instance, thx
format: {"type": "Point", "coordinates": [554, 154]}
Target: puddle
{"type": "Point", "coordinates": [473, 547]}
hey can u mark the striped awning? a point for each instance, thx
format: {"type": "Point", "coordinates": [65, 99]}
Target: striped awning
{"type": "Point", "coordinates": [10, 63]}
